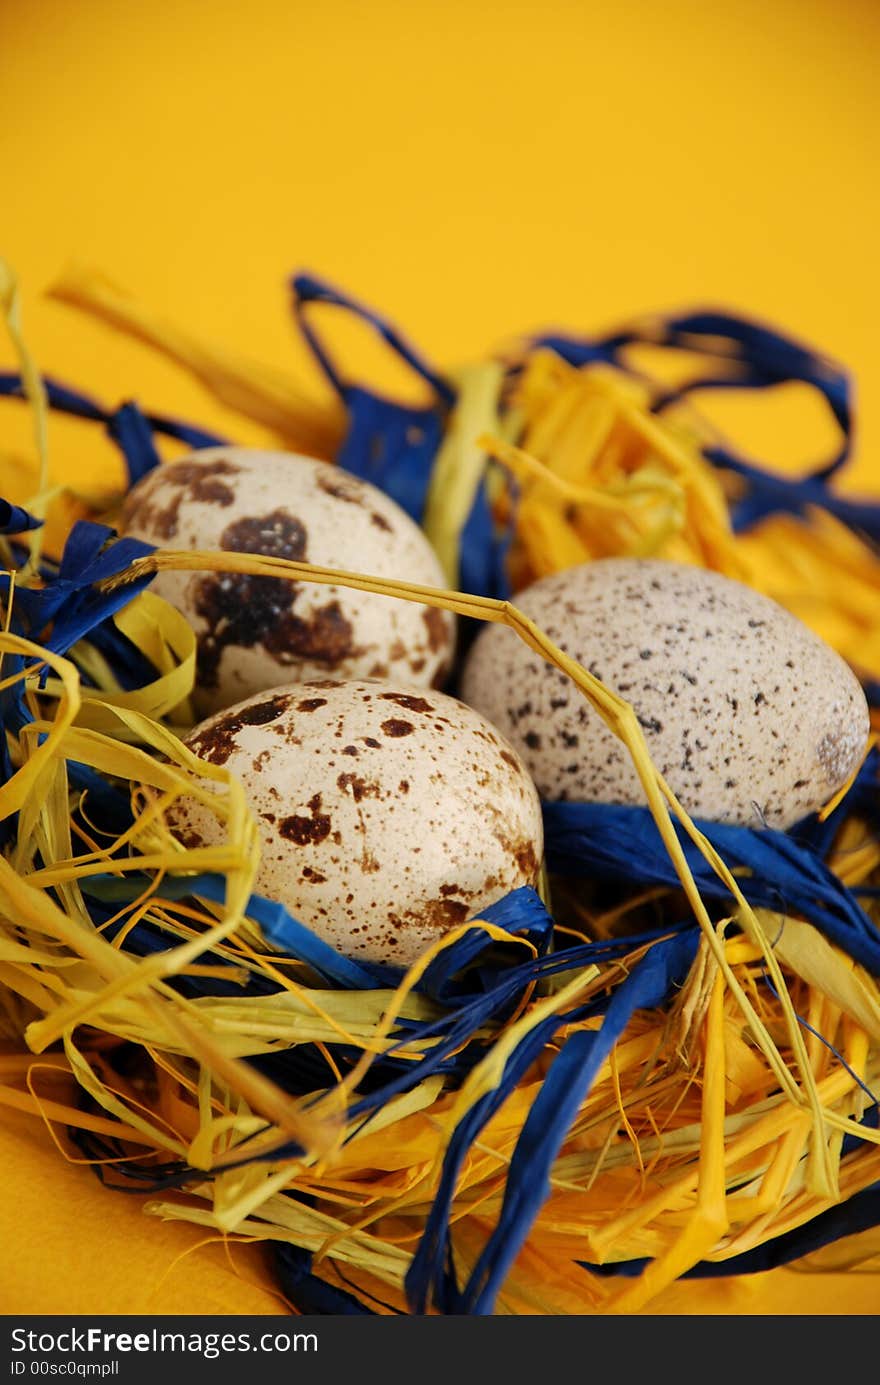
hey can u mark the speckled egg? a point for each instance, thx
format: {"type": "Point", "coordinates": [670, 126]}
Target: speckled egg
{"type": "Point", "coordinates": [388, 813]}
{"type": "Point", "coordinates": [256, 632]}
{"type": "Point", "coordinates": [750, 717]}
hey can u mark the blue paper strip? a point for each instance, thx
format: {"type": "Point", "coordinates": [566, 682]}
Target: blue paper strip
{"type": "Point", "coordinates": [129, 427]}
{"type": "Point", "coordinates": [616, 843]}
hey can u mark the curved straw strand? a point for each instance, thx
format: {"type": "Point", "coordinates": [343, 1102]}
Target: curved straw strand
{"type": "Point", "coordinates": [268, 396]}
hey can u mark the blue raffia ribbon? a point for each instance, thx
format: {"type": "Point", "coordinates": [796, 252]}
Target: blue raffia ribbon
{"type": "Point", "coordinates": [781, 871]}
{"type": "Point", "coordinates": [431, 1279]}
{"type": "Point", "coordinates": [132, 430]}
{"type": "Point", "coordinates": [15, 520]}
{"type": "Point", "coordinates": [65, 608]}
{"type": "Point", "coordinates": [67, 605]}
{"type": "Point", "coordinates": [312, 1295]}
{"type": "Point", "coordinates": [70, 604]}
{"type": "Point", "coordinates": [477, 981]}
{"type": "Point", "coordinates": [394, 445]}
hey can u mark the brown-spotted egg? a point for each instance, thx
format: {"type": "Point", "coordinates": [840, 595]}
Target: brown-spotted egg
{"type": "Point", "coordinates": [749, 716]}
{"type": "Point", "coordinates": [388, 813]}
{"type": "Point", "coordinates": [256, 632]}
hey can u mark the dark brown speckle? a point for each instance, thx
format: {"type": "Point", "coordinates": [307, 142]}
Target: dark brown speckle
{"type": "Point", "coordinates": [395, 727]}
{"type": "Point", "coordinates": [218, 739]}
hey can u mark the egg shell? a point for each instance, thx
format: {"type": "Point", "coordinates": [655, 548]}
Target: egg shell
{"type": "Point", "coordinates": [387, 813]}
{"type": "Point", "coordinates": [256, 632]}
{"type": "Point", "coordinates": [749, 716]}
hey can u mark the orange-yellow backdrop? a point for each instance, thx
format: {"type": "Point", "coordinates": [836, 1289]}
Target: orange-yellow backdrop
{"type": "Point", "coordinates": [475, 169]}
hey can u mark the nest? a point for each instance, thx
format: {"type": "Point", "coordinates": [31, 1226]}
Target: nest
{"type": "Point", "coordinates": [665, 1063]}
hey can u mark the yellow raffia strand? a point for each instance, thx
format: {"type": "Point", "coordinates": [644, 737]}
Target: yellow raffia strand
{"type": "Point", "coordinates": [125, 992]}
{"type": "Point", "coordinates": [599, 475]}
{"type": "Point", "coordinates": [570, 1291]}
{"type": "Point", "coordinates": [710, 1219]}
{"type": "Point", "coordinates": [459, 465]}
{"type": "Point", "coordinates": [168, 641]}
{"type": "Point", "coordinates": [826, 575]}
{"type": "Point", "coordinates": [58, 505]}
{"type": "Point", "coordinates": [35, 392]}
{"type": "Point", "coordinates": [269, 397]}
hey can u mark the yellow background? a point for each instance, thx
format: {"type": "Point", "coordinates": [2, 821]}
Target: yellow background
{"type": "Point", "coordinates": [475, 170]}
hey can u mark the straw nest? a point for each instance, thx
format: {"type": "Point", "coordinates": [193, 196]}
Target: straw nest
{"type": "Point", "coordinates": [682, 1095]}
